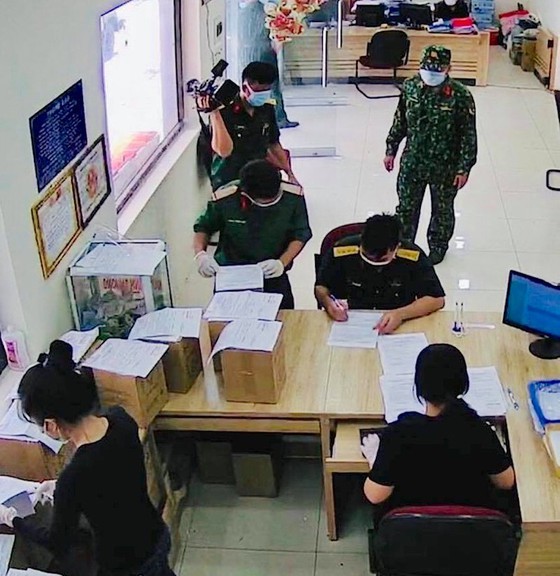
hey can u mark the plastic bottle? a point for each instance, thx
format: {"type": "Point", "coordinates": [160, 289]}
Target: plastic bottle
{"type": "Point", "coordinates": [16, 350]}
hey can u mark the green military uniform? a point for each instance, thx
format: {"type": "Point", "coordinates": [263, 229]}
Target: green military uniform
{"type": "Point", "coordinates": [439, 125]}
{"type": "Point", "coordinates": [252, 134]}
{"type": "Point", "coordinates": [408, 277]}
{"type": "Point", "coordinates": [250, 234]}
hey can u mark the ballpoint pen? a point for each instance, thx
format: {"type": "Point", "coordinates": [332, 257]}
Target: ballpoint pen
{"type": "Point", "coordinates": [456, 328]}
{"type": "Point", "coordinates": [461, 323]}
{"type": "Point", "coordinates": [336, 302]}
{"type": "Point", "coordinates": [512, 399]}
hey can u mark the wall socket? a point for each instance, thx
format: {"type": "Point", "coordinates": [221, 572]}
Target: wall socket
{"type": "Point", "coordinates": [219, 29]}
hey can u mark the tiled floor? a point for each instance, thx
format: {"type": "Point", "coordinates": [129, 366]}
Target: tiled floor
{"type": "Point", "coordinates": [506, 219]}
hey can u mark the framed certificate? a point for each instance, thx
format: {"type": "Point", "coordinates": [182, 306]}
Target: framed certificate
{"type": "Point", "coordinates": [56, 223]}
{"type": "Point", "coordinates": [91, 178]}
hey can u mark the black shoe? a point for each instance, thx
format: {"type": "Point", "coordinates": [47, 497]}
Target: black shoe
{"type": "Point", "coordinates": [287, 124]}
{"type": "Point", "coordinates": [436, 256]}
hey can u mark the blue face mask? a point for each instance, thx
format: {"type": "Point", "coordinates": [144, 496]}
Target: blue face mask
{"type": "Point", "coordinates": [431, 78]}
{"type": "Point", "coordinates": [257, 99]}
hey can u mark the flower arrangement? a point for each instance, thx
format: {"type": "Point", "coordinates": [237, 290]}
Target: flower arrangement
{"type": "Point", "coordinates": [286, 18]}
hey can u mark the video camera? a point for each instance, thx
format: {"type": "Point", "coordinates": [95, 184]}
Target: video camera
{"type": "Point", "coordinates": [220, 93]}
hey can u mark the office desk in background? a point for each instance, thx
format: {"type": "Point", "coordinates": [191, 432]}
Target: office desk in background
{"type": "Point", "coordinates": [331, 387]}
{"type": "Point", "coordinates": [302, 56]}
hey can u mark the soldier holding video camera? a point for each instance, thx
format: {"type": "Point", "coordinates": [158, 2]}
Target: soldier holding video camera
{"type": "Point", "coordinates": [245, 129]}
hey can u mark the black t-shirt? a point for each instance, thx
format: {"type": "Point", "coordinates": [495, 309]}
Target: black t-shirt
{"type": "Point", "coordinates": [443, 460]}
{"type": "Point", "coordinates": [106, 482]}
{"type": "Point", "coordinates": [252, 134]}
{"type": "Point", "coordinates": [445, 12]}
{"type": "Point", "coordinates": [408, 277]}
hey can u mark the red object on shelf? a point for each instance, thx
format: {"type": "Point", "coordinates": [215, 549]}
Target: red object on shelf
{"type": "Point", "coordinates": [462, 22]}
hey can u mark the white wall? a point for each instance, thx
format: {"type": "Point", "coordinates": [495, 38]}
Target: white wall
{"type": "Point", "coordinates": [505, 6]}
{"type": "Point", "coordinates": [213, 45]}
{"type": "Point", "coordinates": [549, 13]}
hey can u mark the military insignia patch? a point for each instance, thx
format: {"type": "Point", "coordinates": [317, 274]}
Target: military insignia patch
{"type": "Point", "coordinates": [345, 251]}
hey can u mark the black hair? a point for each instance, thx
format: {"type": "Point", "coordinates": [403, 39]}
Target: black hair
{"type": "Point", "coordinates": [260, 72]}
{"type": "Point", "coordinates": [260, 179]}
{"type": "Point", "coordinates": [441, 377]}
{"type": "Point", "coordinates": [54, 389]}
{"type": "Point", "coordinates": [381, 234]}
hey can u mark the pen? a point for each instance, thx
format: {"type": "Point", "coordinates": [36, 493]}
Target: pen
{"type": "Point", "coordinates": [455, 328]}
{"type": "Point", "coordinates": [512, 399]}
{"type": "Point", "coordinates": [336, 302]}
{"type": "Point", "coordinates": [462, 325]}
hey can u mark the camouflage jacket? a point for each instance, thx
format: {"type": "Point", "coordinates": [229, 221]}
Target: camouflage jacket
{"type": "Point", "coordinates": [439, 125]}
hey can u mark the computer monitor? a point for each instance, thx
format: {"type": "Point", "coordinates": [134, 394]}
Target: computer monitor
{"type": "Point", "coordinates": [533, 305]}
{"type": "Point", "coordinates": [370, 15]}
{"type": "Point", "coordinates": [416, 14]}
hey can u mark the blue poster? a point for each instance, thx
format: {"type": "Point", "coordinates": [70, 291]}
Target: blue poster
{"type": "Point", "coordinates": [58, 134]}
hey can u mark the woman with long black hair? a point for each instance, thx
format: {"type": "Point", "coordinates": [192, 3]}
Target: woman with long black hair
{"type": "Point", "coordinates": [106, 479]}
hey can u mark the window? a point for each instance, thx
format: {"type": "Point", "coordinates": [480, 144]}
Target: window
{"type": "Point", "coordinates": [143, 98]}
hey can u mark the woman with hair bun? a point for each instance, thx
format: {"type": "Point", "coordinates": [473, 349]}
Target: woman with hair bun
{"type": "Point", "coordinates": [105, 480]}
{"type": "Point", "coordinates": [447, 456]}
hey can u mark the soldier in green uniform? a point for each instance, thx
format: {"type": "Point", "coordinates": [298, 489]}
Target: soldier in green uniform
{"type": "Point", "coordinates": [261, 221]}
{"type": "Point", "coordinates": [437, 116]}
{"type": "Point", "coordinates": [246, 129]}
{"type": "Point", "coordinates": [379, 272]}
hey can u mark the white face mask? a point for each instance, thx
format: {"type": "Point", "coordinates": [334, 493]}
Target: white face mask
{"type": "Point", "coordinates": [450, 2]}
{"type": "Point", "coordinates": [431, 78]}
{"type": "Point", "coordinates": [373, 262]}
{"type": "Point", "coordinates": [264, 204]}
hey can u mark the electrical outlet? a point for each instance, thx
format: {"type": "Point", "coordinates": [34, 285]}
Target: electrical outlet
{"type": "Point", "coordinates": [219, 29]}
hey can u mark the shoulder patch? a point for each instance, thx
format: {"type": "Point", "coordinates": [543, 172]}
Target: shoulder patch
{"type": "Point", "coordinates": [291, 188]}
{"type": "Point", "coordinates": [225, 190]}
{"type": "Point", "coordinates": [412, 255]}
{"type": "Point", "coordinates": [345, 251]}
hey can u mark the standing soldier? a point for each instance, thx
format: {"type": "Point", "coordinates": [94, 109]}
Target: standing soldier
{"type": "Point", "coordinates": [437, 116]}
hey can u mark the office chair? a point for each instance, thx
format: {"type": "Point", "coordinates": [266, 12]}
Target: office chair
{"type": "Point", "coordinates": [387, 50]}
{"type": "Point", "coordinates": [554, 172]}
{"type": "Point", "coordinates": [332, 238]}
{"type": "Point", "coordinates": [443, 541]}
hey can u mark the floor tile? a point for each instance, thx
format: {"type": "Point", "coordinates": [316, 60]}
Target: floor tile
{"type": "Point", "coordinates": [537, 206]}
{"type": "Point", "coordinates": [513, 179]}
{"type": "Point", "coordinates": [216, 562]}
{"type": "Point", "coordinates": [222, 519]}
{"type": "Point", "coordinates": [482, 232]}
{"type": "Point", "coordinates": [546, 266]}
{"type": "Point", "coordinates": [508, 155]}
{"type": "Point", "coordinates": [342, 565]}
{"type": "Point", "coordinates": [528, 237]}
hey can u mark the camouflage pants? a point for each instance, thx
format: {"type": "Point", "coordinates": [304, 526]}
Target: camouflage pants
{"type": "Point", "coordinates": [411, 186]}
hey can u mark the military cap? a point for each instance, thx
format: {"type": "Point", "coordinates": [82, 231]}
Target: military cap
{"type": "Point", "coordinates": [435, 58]}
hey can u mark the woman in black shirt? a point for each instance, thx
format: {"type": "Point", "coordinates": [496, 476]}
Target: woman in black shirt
{"type": "Point", "coordinates": [105, 480]}
{"type": "Point", "coordinates": [448, 456]}
{"type": "Point", "coordinates": [449, 9]}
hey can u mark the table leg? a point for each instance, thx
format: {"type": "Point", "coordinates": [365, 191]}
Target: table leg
{"type": "Point", "coordinates": [328, 480]}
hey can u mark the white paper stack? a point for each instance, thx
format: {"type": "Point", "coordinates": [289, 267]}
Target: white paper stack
{"type": "Point", "coordinates": [399, 352]}
{"type": "Point", "coordinates": [81, 342]}
{"type": "Point", "coordinates": [29, 572]}
{"type": "Point", "coordinates": [357, 332]}
{"type": "Point", "coordinates": [168, 325]}
{"type": "Point", "coordinates": [226, 306]}
{"type": "Point", "coordinates": [127, 357]}
{"type": "Point", "coordinates": [234, 278]}
{"type": "Point", "coordinates": [123, 259]}
{"type": "Point", "coordinates": [248, 335]}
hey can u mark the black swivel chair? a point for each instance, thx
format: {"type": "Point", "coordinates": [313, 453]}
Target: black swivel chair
{"type": "Point", "coordinates": [554, 172]}
{"type": "Point", "coordinates": [387, 50]}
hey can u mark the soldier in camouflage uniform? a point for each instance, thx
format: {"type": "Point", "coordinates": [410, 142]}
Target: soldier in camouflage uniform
{"type": "Point", "coordinates": [437, 116]}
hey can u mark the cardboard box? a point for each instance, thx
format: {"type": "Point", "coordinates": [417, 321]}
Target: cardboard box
{"type": "Point", "coordinates": [182, 364]}
{"type": "Point", "coordinates": [32, 460]}
{"type": "Point", "coordinates": [215, 329]}
{"type": "Point", "coordinates": [154, 472]}
{"type": "Point", "coordinates": [251, 376]}
{"type": "Point", "coordinates": [257, 470]}
{"type": "Point", "coordinates": [214, 457]}
{"type": "Point", "coordinates": [142, 398]}
{"type": "Point", "coordinates": [529, 51]}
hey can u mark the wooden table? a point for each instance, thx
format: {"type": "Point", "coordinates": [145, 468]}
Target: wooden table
{"type": "Point", "coordinates": [302, 56]}
{"type": "Point", "coordinates": [331, 387]}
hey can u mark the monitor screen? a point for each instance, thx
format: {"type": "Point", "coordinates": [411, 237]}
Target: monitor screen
{"type": "Point", "coordinates": [416, 14]}
{"type": "Point", "coordinates": [370, 15]}
{"type": "Point", "coordinates": [532, 305]}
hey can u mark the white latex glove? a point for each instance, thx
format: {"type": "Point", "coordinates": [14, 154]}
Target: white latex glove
{"type": "Point", "coordinates": [370, 446]}
{"type": "Point", "coordinates": [207, 265]}
{"type": "Point", "coordinates": [45, 493]}
{"type": "Point", "coordinates": [7, 515]}
{"type": "Point", "coordinates": [272, 268]}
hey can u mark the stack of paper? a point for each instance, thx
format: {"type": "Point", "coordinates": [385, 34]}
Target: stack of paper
{"type": "Point", "coordinates": [168, 325]}
{"type": "Point", "coordinates": [399, 352]}
{"type": "Point", "coordinates": [226, 306]}
{"type": "Point", "coordinates": [357, 332]}
{"type": "Point", "coordinates": [29, 572]}
{"type": "Point", "coordinates": [13, 426]}
{"type": "Point", "coordinates": [248, 335]}
{"type": "Point", "coordinates": [81, 342]}
{"type": "Point", "coordinates": [127, 357]}
{"type": "Point", "coordinates": [122, 259]}
{"type": "Point", "coordinates": [399, 396]}
{"type": "Point", "coordinates": [6, 546]}
{"type": "Point", "coordinates": [234, 278]}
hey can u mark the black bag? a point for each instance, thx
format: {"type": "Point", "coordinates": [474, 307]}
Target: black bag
{"type": "Point", "coordinates": [204, 150]}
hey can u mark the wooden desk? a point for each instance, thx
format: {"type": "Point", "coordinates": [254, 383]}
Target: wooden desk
{"type": "Point", "coordinates": [302, 56]}
{"type": "Point", "coordinates": [328, 386]}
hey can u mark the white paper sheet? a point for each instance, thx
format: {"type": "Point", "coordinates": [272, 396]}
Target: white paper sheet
{"type": "Point", "coordinates": [235, 278]}
{"type": "Point", "coordinates": [554, 445]}
{"type": "Point", "coordinates": [81, 342]}
{"type": "Point", "coordinates": [399, 352]}
{"type": "Point", "coordinates": [486, 394]}
{"type": "Point", "coordinates": [227, 306]}
{"type": "Point", "coordinates": [6, 546]}
{"type": "Point", "coordinates": [398, 396]}
{"type": "Point", "coordinates": [248, 335]}
{"type": "Point", "coordinates": [168, 325]}
{"type": "Point", "coordinates": [357, 332]}
{"type": "Point", "coordinates": [10, 486]}
{"type": "Point", "coordinates": [29, 572]}
{"type": "Point", "coordinates": [127, 357]}
{"type": "Point", "coordinates": [121, 259]}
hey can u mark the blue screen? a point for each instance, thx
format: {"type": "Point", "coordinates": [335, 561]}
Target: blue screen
{"type": "Point", "coordinates": [533, 306]}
